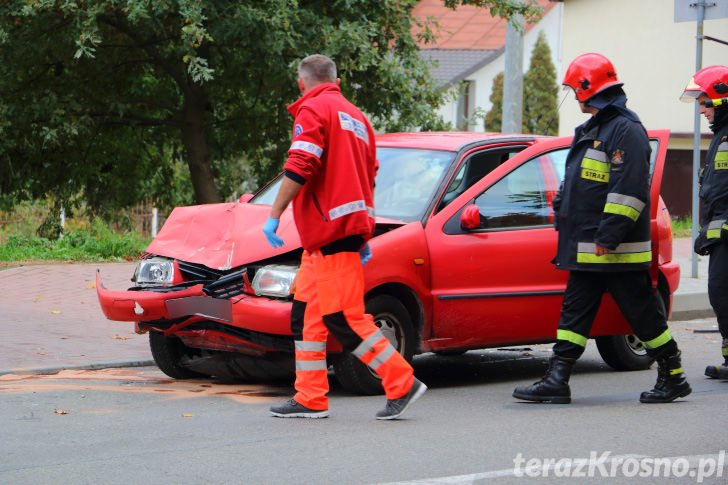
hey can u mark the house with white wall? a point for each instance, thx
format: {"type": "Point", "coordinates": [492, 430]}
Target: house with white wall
{"type": "Point", "coordinates": [654, 56]}
{"type": "Point", "coordinates": [470, 51]}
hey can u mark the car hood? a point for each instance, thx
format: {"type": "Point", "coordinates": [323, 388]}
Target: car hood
{"type": "Point", "coordinates": [222, 236]}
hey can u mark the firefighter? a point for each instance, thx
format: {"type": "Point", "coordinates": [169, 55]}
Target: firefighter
{"type": "Point", "coordinates": [709, 87]}
{"type": "Point", "coordinates": [329, 177]}
{"type": "Point", "coordinates": [603, 213]}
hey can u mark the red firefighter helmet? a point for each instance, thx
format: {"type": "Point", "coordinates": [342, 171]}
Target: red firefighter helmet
{"type": "Point", "coordinates": [711, 81]}
{"type": "Point", "coordinates": [590, 74]}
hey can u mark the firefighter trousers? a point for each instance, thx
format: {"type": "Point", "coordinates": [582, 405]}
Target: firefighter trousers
{"type": "Point", "coordinates": [718, 285]}
{"type": "Point", "coordinates": [330, 298]}
{"type": "Point", "coordinates": [635, 297]}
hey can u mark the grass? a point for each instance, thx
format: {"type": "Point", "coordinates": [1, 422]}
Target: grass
{"type": "Point", "coordinates": [682, 227]}
{"type": "Point", "coordinates": [94, 244]}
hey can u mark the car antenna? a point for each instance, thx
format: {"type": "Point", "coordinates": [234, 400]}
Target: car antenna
{"type": "Point", "coordinates": [545, 132]}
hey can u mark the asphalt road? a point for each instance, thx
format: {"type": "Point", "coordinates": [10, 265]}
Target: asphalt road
{"type": "Point", "coordinates": [135, 425]}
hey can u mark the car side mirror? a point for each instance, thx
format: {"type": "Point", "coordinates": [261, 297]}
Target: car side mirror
{"type": "Point", "coordinates": [470, 217]}
{"type": "Point", "coordinates": [245, 198]}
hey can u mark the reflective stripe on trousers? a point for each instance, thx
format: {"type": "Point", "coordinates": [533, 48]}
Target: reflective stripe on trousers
{"type": "Point", "coordinates": [332, 287]}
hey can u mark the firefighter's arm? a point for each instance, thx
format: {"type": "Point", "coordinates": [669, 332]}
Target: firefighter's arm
{"type": "Point", "coordinates": [629, 186]}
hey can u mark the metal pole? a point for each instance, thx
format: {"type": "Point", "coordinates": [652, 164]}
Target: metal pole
{"type": "Point", "coordinates": [696, 137]}
{"type": "Point", "coordinates": [155, 223]}
{"type": "Point", "coordinates": [513, 78]}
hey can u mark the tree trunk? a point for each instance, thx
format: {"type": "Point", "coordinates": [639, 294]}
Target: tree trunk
{"type": "Point", "coordinates": [198, 157]}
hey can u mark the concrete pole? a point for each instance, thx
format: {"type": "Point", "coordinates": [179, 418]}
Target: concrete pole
{"type": "Point", "coordinates": [513, 78]}
{"type": "Point", "coordinates": [696, 137]}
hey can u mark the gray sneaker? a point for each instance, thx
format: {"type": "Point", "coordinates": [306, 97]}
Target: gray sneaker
{"type": "Point", "coordinates": [292, 409]}
{"type": "Point", "coordinates": [396, 407]}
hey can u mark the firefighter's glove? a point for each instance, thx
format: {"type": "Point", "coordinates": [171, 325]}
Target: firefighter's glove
{"type": "Point", "coordinates": [365, 253]}
{"type": "Point", "coordinates": [269, 229]}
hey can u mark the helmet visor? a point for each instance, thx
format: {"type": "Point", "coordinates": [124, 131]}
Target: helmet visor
{"type": "Point", "coordinates": [691, 92]}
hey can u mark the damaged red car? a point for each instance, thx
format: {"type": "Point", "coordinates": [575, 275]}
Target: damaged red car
{"type": "Point", "coordinates": [461, 260]}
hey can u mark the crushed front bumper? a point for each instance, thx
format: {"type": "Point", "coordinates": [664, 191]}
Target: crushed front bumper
{"type": "Point", "coordinates": [253, 313]}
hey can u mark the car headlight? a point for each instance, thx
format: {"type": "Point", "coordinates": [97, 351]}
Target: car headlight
{"type": "Point", "coordinates": [274, 280]}
{"type": "Point", "coordinates": [154, 271]}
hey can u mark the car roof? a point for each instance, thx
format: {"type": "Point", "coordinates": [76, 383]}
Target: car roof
{"type": "Point", "coordinates": [449, 140]}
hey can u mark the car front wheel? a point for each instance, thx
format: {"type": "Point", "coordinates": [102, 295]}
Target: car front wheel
{"type": "Point", "coordinates": [169, 354]}
{"type": "Point", "coordinates": [393, 320]}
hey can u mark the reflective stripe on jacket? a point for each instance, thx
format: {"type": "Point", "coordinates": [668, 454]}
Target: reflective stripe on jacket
{"type": "Point", "coordinates": [714, 191]}
{"type": "Point", "coordinates": [606, 196]}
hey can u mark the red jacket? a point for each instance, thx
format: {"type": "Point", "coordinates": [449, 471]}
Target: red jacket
{"type": "Point", "coordinates": [333, 150]}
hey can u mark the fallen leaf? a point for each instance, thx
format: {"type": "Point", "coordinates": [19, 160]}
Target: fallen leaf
{"type": "Point", "coordinates": [55, 312]}
{"type": "Point", "coordinates": [61, 411]}
{"type": "Point", "coordinates": [90, 286]}
{"type": "Point", "coordinates": [37, 298]}
{"type": "Point", "coordinates": [119, 337]}
{"type": "Point", "coordinates": [188, 415]}
{"type": "Point", "coordinates": [41, 353]}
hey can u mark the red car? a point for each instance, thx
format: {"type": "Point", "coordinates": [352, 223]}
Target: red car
{"type": "Point", "coordinates": [461, 260]}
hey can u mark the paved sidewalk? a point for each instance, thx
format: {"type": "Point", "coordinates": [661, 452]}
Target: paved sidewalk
{"type": "Point", "coordinates": [50, 318]}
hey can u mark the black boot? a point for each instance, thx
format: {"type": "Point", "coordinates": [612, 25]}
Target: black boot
{"type": "Point", "coordinates": [671, 382]}
{"type": "Point", "coordinates": [719, 371]}
{"type": "Point", "coordinates": [553, 386]}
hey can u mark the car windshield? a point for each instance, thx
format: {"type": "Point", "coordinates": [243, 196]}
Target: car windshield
{"type": "Point", "coordinates": [405, 183]}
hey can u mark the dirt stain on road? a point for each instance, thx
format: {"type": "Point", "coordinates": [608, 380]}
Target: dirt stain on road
{"type": "Point", "coordinates": [142, 381]}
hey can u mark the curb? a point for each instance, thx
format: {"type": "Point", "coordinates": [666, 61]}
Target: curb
{"type": "Point", "coordinates": [90, 366]}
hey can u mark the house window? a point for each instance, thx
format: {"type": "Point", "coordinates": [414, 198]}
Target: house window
{"type": "Point", "coordinates": [466, 100]}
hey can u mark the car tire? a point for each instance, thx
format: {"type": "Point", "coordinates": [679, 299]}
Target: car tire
{"type": "Point", "coordinates": [625, 352]}
{"type": "Point", "coordinates": [392, 318]}
{"type": "Point", "coordinates": [169, 353]}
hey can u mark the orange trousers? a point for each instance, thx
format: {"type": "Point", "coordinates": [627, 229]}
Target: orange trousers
{"type": "Point", "coordinates": [330, 297]}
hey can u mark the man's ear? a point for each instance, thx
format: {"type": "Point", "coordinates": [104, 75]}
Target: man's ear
{"type": "Point", "coordinates": [301, 85]}
{"type": "Point", "coordinates": [338, 81]}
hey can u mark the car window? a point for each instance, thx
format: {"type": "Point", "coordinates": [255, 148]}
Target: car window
{"type": "Point", "coordinates": [655, 145]}
{"type": "Point", "coordinates": [405, 183]}
{"type": "Point", "coordinates": [267, 195]}
{"type": "Point", "coordinates": [518, 199]}
{"type": "Point", "coordinates": [407, 180]}
{"type": "Point", "coordinates": [475, 167]}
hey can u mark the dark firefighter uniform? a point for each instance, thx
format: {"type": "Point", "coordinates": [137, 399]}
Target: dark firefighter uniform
{"type": "Point", "coordinates": [714, 222]}
{"type": "Point", "coordinates": [605, 200]}
{"type": "Point", "coordinates": [603, 221]}
{"type": "Point", "coordinates": [709, 87]}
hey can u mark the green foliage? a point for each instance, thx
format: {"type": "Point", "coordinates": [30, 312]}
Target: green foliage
{"type": "Point", "coordinates": [540, 92]}
{"type": "Point", "coordinates": [540, 95]}
{"type": "Point", "coordinates": [494, 117]}
{"type": "Point", "coordinates": [682, 227]}
{"type": "Point", "coordinates": [99, 243]}
{"type": "Point", "coordinates": [528, 9]}
{"type": "Point", "coordinates": [109, 99]}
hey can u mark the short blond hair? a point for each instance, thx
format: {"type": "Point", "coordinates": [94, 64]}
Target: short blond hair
{"type": "Point", "coordinates": [317, 69]}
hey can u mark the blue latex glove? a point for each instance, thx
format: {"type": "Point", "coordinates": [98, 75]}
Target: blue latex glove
{"type": "Point", "coordinates": [269, 229]}
{"type": "Point", "coordinates": [365, 253]}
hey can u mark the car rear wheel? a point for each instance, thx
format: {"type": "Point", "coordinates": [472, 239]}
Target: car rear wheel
{"type": "Point", "coordinates": [626, 352]}
{"type": "Point", "coordinates": [623, 352]}
{"type": "Point", "coordinates": [395, 324]}
{"type": "Point", "coordinates": [169, 353]}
